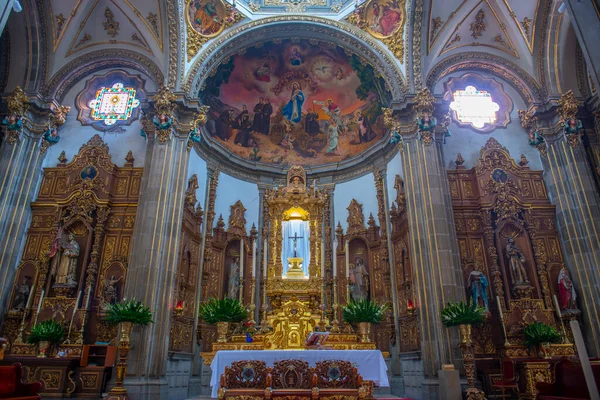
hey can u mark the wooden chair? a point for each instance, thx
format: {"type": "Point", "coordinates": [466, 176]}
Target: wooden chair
{"type": "Point", "coordinates": [337, 377]}
{"type": "Point", "coordinates": [11, 386]}
{"type": "Point", "coordinates": [250, 379]}
{"type": "Point", "coordinates": [293, 379]}
{"type": "Point", "coordinates": [509, 377]}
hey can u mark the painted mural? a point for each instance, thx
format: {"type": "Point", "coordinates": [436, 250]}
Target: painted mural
{"type": "Point", "coordinates": [296, 103]}
{"type": "Point", "coordinates": [384, 18]}
{"type": "Point", "coordinates": [206, 16]}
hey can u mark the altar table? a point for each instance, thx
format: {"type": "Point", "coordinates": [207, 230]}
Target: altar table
{"type": "Point", "coordinates": [370, 363]}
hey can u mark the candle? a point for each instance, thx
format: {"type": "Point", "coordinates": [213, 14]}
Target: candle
{"type": "Point", "coordinates": [254, 258]}
{"type": "Point", "coordinates": [30, 298]}
{"type": "Point", "coordinates": [557, 307]}
{"type": "Point", "coordinates": [347, 260]}
{"type": "Point", "coordinates": [241, 258]}
{"type": "Point", "coordinates": [77, 303]}
{"type": "Point", "coordinates": [265, 260]}
{"type": "Point", "coordinates": [89, 297]}
{"type": "Point", "coordinates": [499, 308]}
{"type": "Point", "coordinates": [335, 242]}
{"type": "Point", "coordinates": [41, 301]}
{"type": "Point", "coordinates": [323, 260]}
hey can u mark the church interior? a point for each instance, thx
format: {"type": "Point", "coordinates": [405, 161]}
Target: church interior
{"type": "Point", "coordinates": [300, 199]}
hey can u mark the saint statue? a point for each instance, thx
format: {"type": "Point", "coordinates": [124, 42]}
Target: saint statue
{"type": "Point", "coordinates": [234, 279]}
{"type": "Point", "coordinates": [22, 295]}
{"type": "Point", "coordinates": [359, 280]}
{"type": "Point", "coordinates": [111, 294]}
{"type": "Point", "coordinates": [516, 260]}
{"type": "Point", "coordinates": [566, 291]}
{"type": "Point", "coordinates": [64, 265]}
{"type": "Point", "coordinates": [477, 285]}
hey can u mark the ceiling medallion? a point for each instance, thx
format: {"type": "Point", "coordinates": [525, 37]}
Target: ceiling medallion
{"type": "Point", "coordinates": [206, 19]}
{"type": "Point", "coordinates": [384, 20]}
{"type": "Point", "coordinates": [295, 5]}
{"type": "Point", "coordinates": [113, 104]}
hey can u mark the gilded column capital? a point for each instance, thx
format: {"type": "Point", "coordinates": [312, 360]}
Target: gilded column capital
{"type": "Point", "coordinates": [158, 122]}
{"type": "Point", "coordinates": [17, 108]}
{"type": "Point", "coordinates": [567, 113]}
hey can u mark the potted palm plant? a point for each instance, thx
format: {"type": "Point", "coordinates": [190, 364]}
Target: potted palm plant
{"type": "Point", "coordinates": [222, 312]}
{"type": "Point", "coordinates": [45, 335]}
{"type": "Point", "coordinates": [465, 316]}
{"type": "Point", "coordinates": [126, 313]}
{"type": "Point", "coordinates": [363, 313]}
{"type": "Point", "coordinates": [539, 336]}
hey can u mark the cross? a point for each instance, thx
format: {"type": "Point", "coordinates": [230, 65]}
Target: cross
{"type": "Point", "coordinates": [295, 239]}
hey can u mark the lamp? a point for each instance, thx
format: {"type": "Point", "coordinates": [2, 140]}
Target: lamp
{"type": "Point", "coordinates": [179, 307]}
{"type": "Point", "coordinates": [410, 307]}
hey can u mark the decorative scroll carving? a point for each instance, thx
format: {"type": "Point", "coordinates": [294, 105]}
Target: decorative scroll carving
{"type": "Point", "coordinates": [356, 219]}
{"type": "Point", "coordinates": [237, 220]}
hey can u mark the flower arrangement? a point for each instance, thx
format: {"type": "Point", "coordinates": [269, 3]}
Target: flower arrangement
{"type": "Point", "coordinates": [128, 311]}
{"type": "Point", "coordinates": [363, 311]}
{"type": "Point", "coordinates": [222, 310]}
{"type": "Point", "coordinates": [454, 314]}
{"type": "Point", "coordinates": [46, 331]}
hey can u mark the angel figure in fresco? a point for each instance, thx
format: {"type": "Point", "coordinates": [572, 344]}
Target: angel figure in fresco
{"type": "Point", "coordinates": [334, 135]}
{"type": "Point", "coordinates": [359, 280]}
{"type": "Point", "coordinates": [234, 279]}
{"type": "Point", "coordinates": [206, 17]}
{"type": "Point", "coordinates": [339, 74]}
{"type": "Point", "coordinates": [566, 291]}
{"type": "Point", "coordinates": [293, 109]}
{"type": "Point", "coordinates": [477, 285]}
{"type": "Point", "coordinates": [296, 57]}
{"type": "Point", "coordinates": [64, 262]}
{"type": "Point", "coordinates": [517, 261]}
{"type": "Point", "coordinates": [263, 73]}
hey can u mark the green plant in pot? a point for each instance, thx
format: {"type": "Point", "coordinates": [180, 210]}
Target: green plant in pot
{"type": "Point", "coordinates": [465, 316]}
{"type": "Point", "coordinates": [46, 334]}
{"type": "Point", "coordinates": [126, 313]}
{"type": "Point", "coordinates": [539, 336]}
{"type": "Point", "coordinates": [222, 312]}
{"type": "Point", "coordinates": [364, 313]}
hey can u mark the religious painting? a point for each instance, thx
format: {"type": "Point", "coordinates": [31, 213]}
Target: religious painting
{"type": "Point", "coordinates": [231, 287]}
{"type": "Point", "coordinates": [499, 176]}
{"type": "Point", "coordinates": [384, 18]}
{"type": "Point", "coordinates": [207, 17]}
{"type": "Point", "coordinates": [358, 270]}
{"type": "Point", "coordinates": [296, 102]}
{"type": "Point", "coordinates": [88, 173]}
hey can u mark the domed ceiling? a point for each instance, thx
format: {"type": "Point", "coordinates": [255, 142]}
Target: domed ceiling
{"type": "Point", "coordinates": [296, 102]}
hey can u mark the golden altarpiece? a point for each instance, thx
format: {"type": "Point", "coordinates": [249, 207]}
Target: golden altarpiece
{"type": "Point", "coordinates": [74, 261]}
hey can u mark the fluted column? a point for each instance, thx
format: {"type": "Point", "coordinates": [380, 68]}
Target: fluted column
{"type": "Point", "coordinates": [152, 271]}
{"type": "Point", "coordinates": [585, 16]}
{"type": "Point", "coordinates": [27, 129]}
{"type": "Point", "coordinates": [570, 183]}
{"type": "Point", "coordinates": [435, 252]}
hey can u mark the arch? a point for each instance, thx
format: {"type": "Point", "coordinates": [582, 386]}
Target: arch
{"type": "Point", "coordinates": [287, 27]}
{"type": "Point", "coordinates": [94, 61]}
{"type": "Point", "coordinates": [518, 78]}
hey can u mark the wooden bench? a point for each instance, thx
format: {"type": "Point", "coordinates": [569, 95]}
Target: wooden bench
{"type": "Point", "coordinates": [569, 382]}
{"type": "Point", "coordinates": [11, 386]}
{"type": "Point", "coordinates": [293, 379]}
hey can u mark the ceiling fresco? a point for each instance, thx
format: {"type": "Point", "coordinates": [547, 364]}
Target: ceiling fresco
{"type": "Point", "coordinates": [295, 102]}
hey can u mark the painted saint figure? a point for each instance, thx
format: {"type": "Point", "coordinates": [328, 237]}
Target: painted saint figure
{"type": "Point", "coordinates": [293, 109]}
{"type": "Point", "coordinates": [296, 57]}
{"type": "Point", "coordinates": [385, 19]}
{"type": "Point", "coordinates": [477, 285]}
{"type": "Point", "coordinates": [333, 138]}
{"type": "Point", "coordinates": [22, 295]}
{"type": "Point", "coordinates": [64, 266]}
{"type": "Point", "coordinates": [257, 123]}
{"type": "Point", "coordinates": [243, 137]}
{"type": "Point", "coordinates": [265, 114]}
{"type": "Point", "coordinates": [516, 260]}
{"type": "Point", "coordinates": [359, 280]}
{"type": "Point", "coordinates": [566, 291]}
{"type": "Point", "coordinates": [365, 132]}
{"type": "Point", "coordinates": [263, 73]}
{"type": "Point", "coordinates": [207, 18]}
{"type": "Point", "coordinates": [234, 279]}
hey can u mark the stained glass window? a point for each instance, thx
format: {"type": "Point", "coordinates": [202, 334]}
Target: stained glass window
{"type": "Point", "coordinates": [474, 106]}
{"type": "Point", "coordinates": [113, 104]}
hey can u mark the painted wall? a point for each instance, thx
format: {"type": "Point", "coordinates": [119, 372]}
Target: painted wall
{"type": "Point", "coordinates": [363, 190]}
{"type": "Point", "coordinates": [468, 142]}
{"type": "Point", "coordinates": [73, 134]}
{"type": "Point", "coordinates": [231, 190]}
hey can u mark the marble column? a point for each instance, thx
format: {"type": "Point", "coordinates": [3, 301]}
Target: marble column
{"type": "Point", "coordinates": [570, 183]}
{"type": "Point", "coordinates": [435, 253]}
{"type": "Point", "coordinates": [21, 155]}
{"type": "Point", "coordinates": [152, 270]}
{"type": "Point", "coordinates": [585, 16]}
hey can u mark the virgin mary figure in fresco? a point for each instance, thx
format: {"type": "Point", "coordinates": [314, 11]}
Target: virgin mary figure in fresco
{"type": "Point", "coordinates": [293, 109]}
{"type": "Point", "coordinates": [206, 17]}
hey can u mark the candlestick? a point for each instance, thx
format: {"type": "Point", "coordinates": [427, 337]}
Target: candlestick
{"type": "Point", "coordinates": [254, 259]}
{"type": "Point", "coordinates": [73, 316]}
{"type": "Point", "coordinates": [41, 301]}
{"type": "Point", "coordinates": [89, 296]}
{"type": "Point", "coordinates": [241, 258]}
{"type": "Point", "coordinates": [30, 298]}
{"type": "Point", "coordinates": [502, 321]}
{"type": "Point", "coordinates": [347, 260]}
{"type": "Point", "coordinates": [562, 323]}
{"type": "Point", "coordinates": [323, 260]}
{"type": "Point", "coordinates": [265, 260]}
{"type": "Point", "coordinates": [335, 243]}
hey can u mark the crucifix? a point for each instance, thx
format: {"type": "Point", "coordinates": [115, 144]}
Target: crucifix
{"type": "Point", "coordinates": [295, 239]}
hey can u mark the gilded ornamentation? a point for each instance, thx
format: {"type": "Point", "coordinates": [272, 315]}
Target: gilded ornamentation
{"type": "Point", "coordinates": [567, 106]}
{"type": "Point", "coordinates": [111, 27]}
{"type": "Point", "coordinates": [17, 107]}
{"type": "Point", "coordinates": [459, 160]}
{"type": "Point", "coordinates": [356, 218]}
{"type": "Point", "coordinates": [89, 381]}
{"type": "Point", "coordinates": [416, 50]}
{"type": "Point", "coordinates": [526, 24]}
{"type": "Point", "coordinates": [424, 103]}
{"type": "Point", "coordinates": [478, 26]}
{"type": "Point", "coordinates": [436, 23]}
{"type": "Point", "coordinates": [51, 379]}
{"type": "Point", "coordinates": [237, 219]}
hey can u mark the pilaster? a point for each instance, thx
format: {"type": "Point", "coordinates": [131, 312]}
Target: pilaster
{"type": "Point", "coordinates": [29, 130]}
{"type": "Point", "coordinates": [152, 272]}
{"type": "Point", "coordinates": [435, 255]}
{"type": "Point", "coordinates": [585, 16]}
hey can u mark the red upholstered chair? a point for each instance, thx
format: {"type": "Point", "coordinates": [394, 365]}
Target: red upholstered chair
{"type": "Point", "coordinates": [11, 386]}
{"type": "Point", "coordinates": [509, 377]}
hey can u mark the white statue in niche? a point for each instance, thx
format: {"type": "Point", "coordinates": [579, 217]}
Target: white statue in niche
{"type": "Point", "coordinates": [64, 262]}
{"type": "Point", "coordinates": [234, 279]}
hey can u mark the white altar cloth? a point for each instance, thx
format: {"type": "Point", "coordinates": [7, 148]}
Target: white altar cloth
{"type": "Point", "coordinates": [370, 363]}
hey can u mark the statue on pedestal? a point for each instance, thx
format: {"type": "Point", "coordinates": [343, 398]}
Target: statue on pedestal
{"type": "Point", "coordinates": [111, 294]}
{"type": "Point", "coordinates": [359, 280]}
{"type": "Point", "coordinates": [234, 279]}
{"type": "Point", "coordinates": [477, 285]}
{"type": "Point", "coordinates": [517, 260]}
{"type": "Point", "coordinates": [566, 291]}
{"type": "Point", "coordinates": [22, 295]}
{"type": "Point", "coordinates": [64, 263]}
